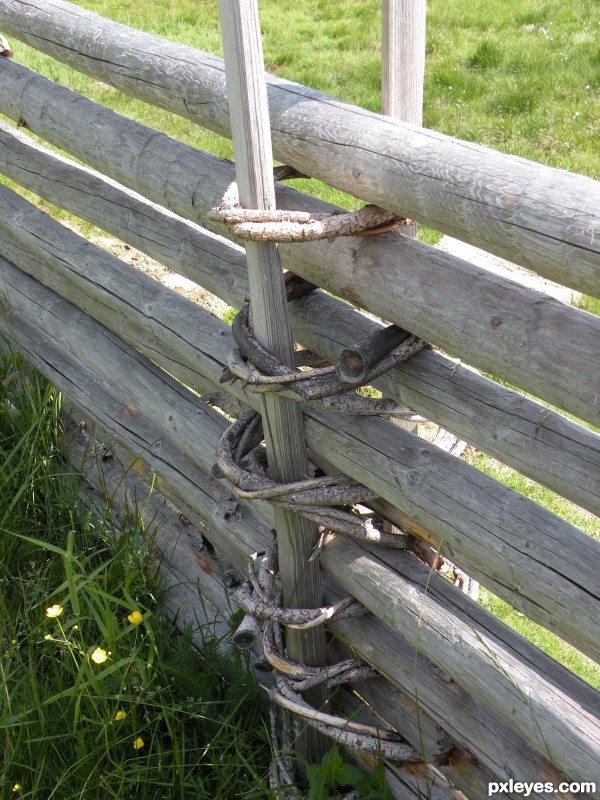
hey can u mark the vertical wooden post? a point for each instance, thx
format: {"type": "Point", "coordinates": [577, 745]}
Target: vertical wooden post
{"type": "Point", "coordinates": [282, 419]}
{"type": "Point", "coordinates": [402, 77]}
{"type": "Point", "coordinates": [403, 64]}
{"type": "Point", "coordinates": [403, 59]}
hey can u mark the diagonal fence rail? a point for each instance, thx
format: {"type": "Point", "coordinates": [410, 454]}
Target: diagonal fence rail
{"type": "Point", "coordinates": [123, 349]}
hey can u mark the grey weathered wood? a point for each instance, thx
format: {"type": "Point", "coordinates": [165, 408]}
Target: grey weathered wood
{"type": "Point", "coordinates": [226, 523]}
{"type": "Point", "coordinates": [445, 701]}
{"type": "Point", "coordinates": [354, 362]}
{"type": "Point", "coordinates": [192, 592]}
{"type": "Point", "coordinates": [403, 59]}
{"type": "Point", "coordinates": [282, 418]}
{"type": "Point", "coordinates": [499, 319]}
{"type": "Point", "coordinates": [473, 648]}
{"type": "Point", "coordinates": [536, 441]}
{"type": "Point", "coordinates": [403, 70]}
{"type": "Point", "coordinates": [540, 217]}
{"type": "Point", "coordinates": [493, 533]}
{"type": "Point", "coordinates": [477, 727]}
{"type": "Point", "coordinates": [402, 80]}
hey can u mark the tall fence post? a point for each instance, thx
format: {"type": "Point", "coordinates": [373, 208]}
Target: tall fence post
{"type": "Point", "coordinates": [282, 418]}
{"type": "Point", "coordinates": [402, 79]}
{"type": "Point", "coordinates": [403, 59]}
{"type": "Point", "coordinates": [403, 64]}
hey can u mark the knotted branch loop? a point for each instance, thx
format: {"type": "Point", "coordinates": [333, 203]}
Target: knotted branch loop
{"type": "Point", "coordinates": [299, 226]}
{"type": "Point", "coordinates": [331, 500]}
{"type": "Point", "coordinates": [317, 499]}
{"type": "Point", "coordinates": [260, 597]}
{"type": "Point", "coordinates": [320, 387]}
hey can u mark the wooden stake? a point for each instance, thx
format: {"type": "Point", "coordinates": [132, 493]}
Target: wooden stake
{"type": "Point", "coordinates": [403, 59]}
{"type": "Point", "coordinates": [402, 76]}
{"type": "Point", "coordinates": [402, 79]}
{"type": "Point", "coordinates": [284, 434]}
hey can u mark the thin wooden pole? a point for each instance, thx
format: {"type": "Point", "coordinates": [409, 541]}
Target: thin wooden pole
{"type": "Point", "coordinates": [282, 419]}
{"type": "Point", "coordinates": [403, 66]}
{"type": "Point", "coordinates": [402, 80]}
{"type": "Point", "coordinates": [403, 59]}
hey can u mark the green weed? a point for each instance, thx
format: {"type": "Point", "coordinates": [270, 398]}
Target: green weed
{"type": "Point", "coordinates": [99, 698]}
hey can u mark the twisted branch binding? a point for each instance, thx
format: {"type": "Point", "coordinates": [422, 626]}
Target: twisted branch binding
{"type": "Point", "coordinates": [279, 225]}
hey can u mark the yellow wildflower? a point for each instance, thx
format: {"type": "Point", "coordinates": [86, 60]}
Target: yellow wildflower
{"type": "Point", "coordinates": [138, 743]}
{"type": "Point", "coordinates": [13, 641]}
{"type": "Point", "coordinates": [16, 787]}
{"type": "Point", "coordinates": [54, 611]}
{"type": "Point", "coordinates": [120, 715]}
{"type": "Point", "coordinates": [99, 656]}
{"type": "Point", "coordinates": [135, 617]}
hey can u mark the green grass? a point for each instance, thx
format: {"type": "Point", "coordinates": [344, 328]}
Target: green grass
{"type": "Point", "coordinates": [94, 704]}
{"type": "Point", "coordinates": [523, 78]}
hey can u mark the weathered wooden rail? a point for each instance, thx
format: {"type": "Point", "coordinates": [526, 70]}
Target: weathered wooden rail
{"type": "Point", "coordinates": [124, 349]}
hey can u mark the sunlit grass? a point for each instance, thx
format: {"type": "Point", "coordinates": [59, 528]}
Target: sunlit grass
{"type": "Point", "coordinates": [99, 697]}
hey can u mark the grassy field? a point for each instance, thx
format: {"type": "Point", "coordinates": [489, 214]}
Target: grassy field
{"type": "Point", "coordinates": [522, 77]}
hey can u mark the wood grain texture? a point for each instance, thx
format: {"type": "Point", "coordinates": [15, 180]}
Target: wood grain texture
{"type": "Point", "coordinates": [437, 623]}
{"type": "Point", "coordinates": [192, 594]}
{"type": "Point", "coordinates": [538, 563]}
{"type": "Point", "coordinates": [403, 59]}
{"type": "Point", "coordinates": [537, 216]}
{"type": "Point", "coordinates": [527, 436]}
{"type": "Point", "coordinates": [403, 72]}
{"type": "Point", "coordinates": [234, 533]}
{"type": "Point", "coordinates": [282, 418]}
{"type": "Point", "coordinates": [489, 322]}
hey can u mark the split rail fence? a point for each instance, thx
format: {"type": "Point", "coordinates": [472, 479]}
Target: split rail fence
{"type": "Point", "coordinates": [124, 350]}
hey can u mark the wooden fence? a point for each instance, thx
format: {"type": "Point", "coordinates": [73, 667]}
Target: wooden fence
{"type": "Point", "coordinates": [125, 350]}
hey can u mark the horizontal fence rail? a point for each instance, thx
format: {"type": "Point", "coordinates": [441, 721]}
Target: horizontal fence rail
{"type": "Point", "coordinates": [527, 436]}
{"type": "Point", "coordinates": [543, 218]}
{"type": "Point", "coordinates": [501, 653]}
{"type": "Point", "coordinates": [124, 349]}
{"type": "Point", "coordinates": [523, 553]}
{"type": "Point", "coordinates": [500, 330]}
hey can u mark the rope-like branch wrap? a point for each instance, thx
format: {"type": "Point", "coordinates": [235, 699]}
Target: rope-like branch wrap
{"type": "Point", "coordinates": [299, 226]}
{"type": "Point", "coordinates": [317, 499]}
{"type": "Point", "coordinates": [329, 501]}
{"type": "Point", "coordinates": [318, 387]}
{"type": "Point", "coordinates": [260, 598]}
